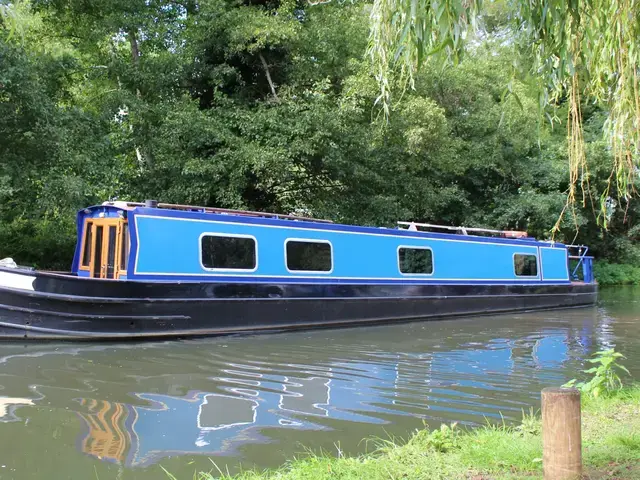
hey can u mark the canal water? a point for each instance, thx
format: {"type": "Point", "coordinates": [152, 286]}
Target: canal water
{"type": "Point", "coordinates": [125, 411]}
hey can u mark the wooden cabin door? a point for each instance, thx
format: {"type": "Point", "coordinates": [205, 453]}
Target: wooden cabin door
{"type": "Point", "coordinates": [109, 244]}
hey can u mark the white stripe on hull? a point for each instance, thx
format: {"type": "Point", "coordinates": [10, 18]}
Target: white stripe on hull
{"type": "Point", "coordinates": [16, 280]}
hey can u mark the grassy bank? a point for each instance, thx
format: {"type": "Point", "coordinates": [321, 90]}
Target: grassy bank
{"type": "Point", "coordinates": [611, 449]}
{"type": "Point", "coordinates": [616, 273]}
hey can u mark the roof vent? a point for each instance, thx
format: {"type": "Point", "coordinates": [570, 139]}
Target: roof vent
{"type": "Point", "coordinates": [151, 203]}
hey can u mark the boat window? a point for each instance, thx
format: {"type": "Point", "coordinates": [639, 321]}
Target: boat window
{"type": "Point", "coordinates": [86, 254]}
{"type": "Point", "coordinates": [124, 247]}
{"type": "Point", "coordinates": [112, 231]}
{"type": "Point", "coordinates": [309, 256]}
{"type": "Point", "coordinates": [415, 260]}
{"type": "Point", "coordinates": [97, 259]}
{"type": "Point", "coordinates": [525, 265]}
{"type": "Point", "coordinates": [238, 253]}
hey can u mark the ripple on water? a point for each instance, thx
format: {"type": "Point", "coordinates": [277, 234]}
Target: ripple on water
{"type": "Point", "coordinates": [136, 404]}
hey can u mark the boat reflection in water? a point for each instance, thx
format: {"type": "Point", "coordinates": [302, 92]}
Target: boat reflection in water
{"type": "Point", "coordinates": [198, 423]}
{"type": "Point", "coordinates": [108, 437]}
{"type": "Point", "coordinates": [251, 397]}
{"type": "Point", "coordinates": [8, 406]}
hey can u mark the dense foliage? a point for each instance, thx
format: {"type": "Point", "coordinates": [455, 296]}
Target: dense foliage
{"type": "Point", "coordinates": [616, 274]}
{"type": "Point", "coordinates": [576, 48]}
{"type": "Point", "coordinates": [270, 105]}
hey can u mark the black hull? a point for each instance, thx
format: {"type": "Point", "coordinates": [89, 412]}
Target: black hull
{"type": "Point", "coordinates": [67, 307]}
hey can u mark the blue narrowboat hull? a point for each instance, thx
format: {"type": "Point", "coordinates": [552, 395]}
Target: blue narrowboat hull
{"type": "Point", "coordinates": [55, 306]}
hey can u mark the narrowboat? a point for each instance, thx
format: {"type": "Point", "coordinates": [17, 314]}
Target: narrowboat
{"type": "Point", "coordinates": [162, 270]}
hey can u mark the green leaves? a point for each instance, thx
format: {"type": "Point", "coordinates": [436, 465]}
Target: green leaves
{"type": "Point", "coordinates": [441, 440]}
{"type": "Point", "coordinates": [585, 48]}
{"type": "Point", "coordinates": [192, 118]}
{"type": "Point", "coordinates": [604, 376]}
{"type": "Point", "coordinates": [7, 19]}
{"type": "Point", "coordinates": [407, 33]}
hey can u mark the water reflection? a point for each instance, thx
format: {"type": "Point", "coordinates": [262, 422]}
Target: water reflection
{"type": "Point", "coordinates": [256, 399]}
{"type": "Point", "coordinates": [8, 406]}
{"type": "Point", "coordinates": [358, 387]}
{"type": "Point", "coordinates": [197, 423]}
{"type": "Point", "coordinates": [107, 435]}
{"type": "Point", "coordinates": [550, 351]}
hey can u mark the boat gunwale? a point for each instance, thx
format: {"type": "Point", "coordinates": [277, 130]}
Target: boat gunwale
{"type": "Point", "coordinates": [121, 284]}
{"type": "Point", "coordinates": [126, 300]}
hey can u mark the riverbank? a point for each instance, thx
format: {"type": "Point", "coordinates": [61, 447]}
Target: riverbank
{"type": "Point", "coordinates": [611, 449]}
{"type": "Point", "coordinates": [610, 274]}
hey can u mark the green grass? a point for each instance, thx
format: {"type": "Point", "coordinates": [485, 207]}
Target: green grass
{"type": "Point", "coordinates": [611, 448]}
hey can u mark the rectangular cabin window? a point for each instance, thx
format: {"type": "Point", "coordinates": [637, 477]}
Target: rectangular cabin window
{"type": "Point", "coordinates": [233, 253]}
{"type": "Point", "coordinates": [525, 265]}
{"type": "Point", "coordinates": [124, 247]}
{"type": "Point", "coordinates": [308, 256]}
{"type": "Point", "coordinates": [86, 254]}
{"type": "Point", "coordinates": [418, 261]}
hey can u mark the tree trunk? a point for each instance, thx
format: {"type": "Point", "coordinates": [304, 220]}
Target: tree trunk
{"type": "Point", "coordinates": [268, 74]}
{"type": "Point", "coordinates": [135, 58]}
{"type": "Point", "coordinates": [135, 50]}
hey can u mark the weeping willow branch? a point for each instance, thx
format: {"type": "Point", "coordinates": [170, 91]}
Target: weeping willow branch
{"type": "Point", "coordinates": [5, 12]}
{"type": "Point", "coordinates": [404, 34]}
{"type": "Point", "coordinates": [578, 169]}
{"type": "Point", "coordinates": [581, 49]}
{"type": "Point", "coordinates": [10, 17]}
{"type": "Point", "coordinates": [622, 127]}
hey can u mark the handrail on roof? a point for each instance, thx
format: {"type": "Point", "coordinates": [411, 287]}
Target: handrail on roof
{"type": "Point", "coordinates": [581, 257]}
{"type": "Point", "coordinates": [464, 230]}
{"type": "Point", "coordinates": [246, 213]}
{"type": "Point", "coordinates": [579, 247]}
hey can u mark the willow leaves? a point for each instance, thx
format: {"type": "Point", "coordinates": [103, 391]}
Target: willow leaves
{"type": "Point", "coordinates": [581, 50]}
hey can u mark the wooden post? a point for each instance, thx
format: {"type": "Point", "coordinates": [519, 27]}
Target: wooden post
{"type": "Point", "coordinates": [561, 434]}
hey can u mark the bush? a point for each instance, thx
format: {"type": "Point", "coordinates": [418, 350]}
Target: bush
{"type": "Point", "coordinates": [616, 273]}
{"type": "Point", "coordinates": [45, 244]}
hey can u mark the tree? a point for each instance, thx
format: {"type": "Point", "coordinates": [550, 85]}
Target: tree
{"type": "Point", "coordinates": [6, 13]}
{"type": "Point", "coordinates": [215, 126]}
{"type": "Point", "coordinates": [579, 48]}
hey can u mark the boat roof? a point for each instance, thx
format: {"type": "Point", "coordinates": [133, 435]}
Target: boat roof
{"type": "Point", "coordinates": [198, 209]}
{"type": "Point", "coordinates": [410, 228]}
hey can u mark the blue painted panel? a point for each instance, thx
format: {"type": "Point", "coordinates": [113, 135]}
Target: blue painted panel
{"type": "Point", "coordinates": [75, 264]}
{"type": "Point", "coordinates": [554, 263]}
{"type": "Point", "coordinates": [170, 246]}
{"type": "Point", "coordinates": [209, 217]}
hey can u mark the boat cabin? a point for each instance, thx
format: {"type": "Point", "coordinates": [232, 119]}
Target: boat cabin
{"type": "Point", "coordinates": [163, 242]}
